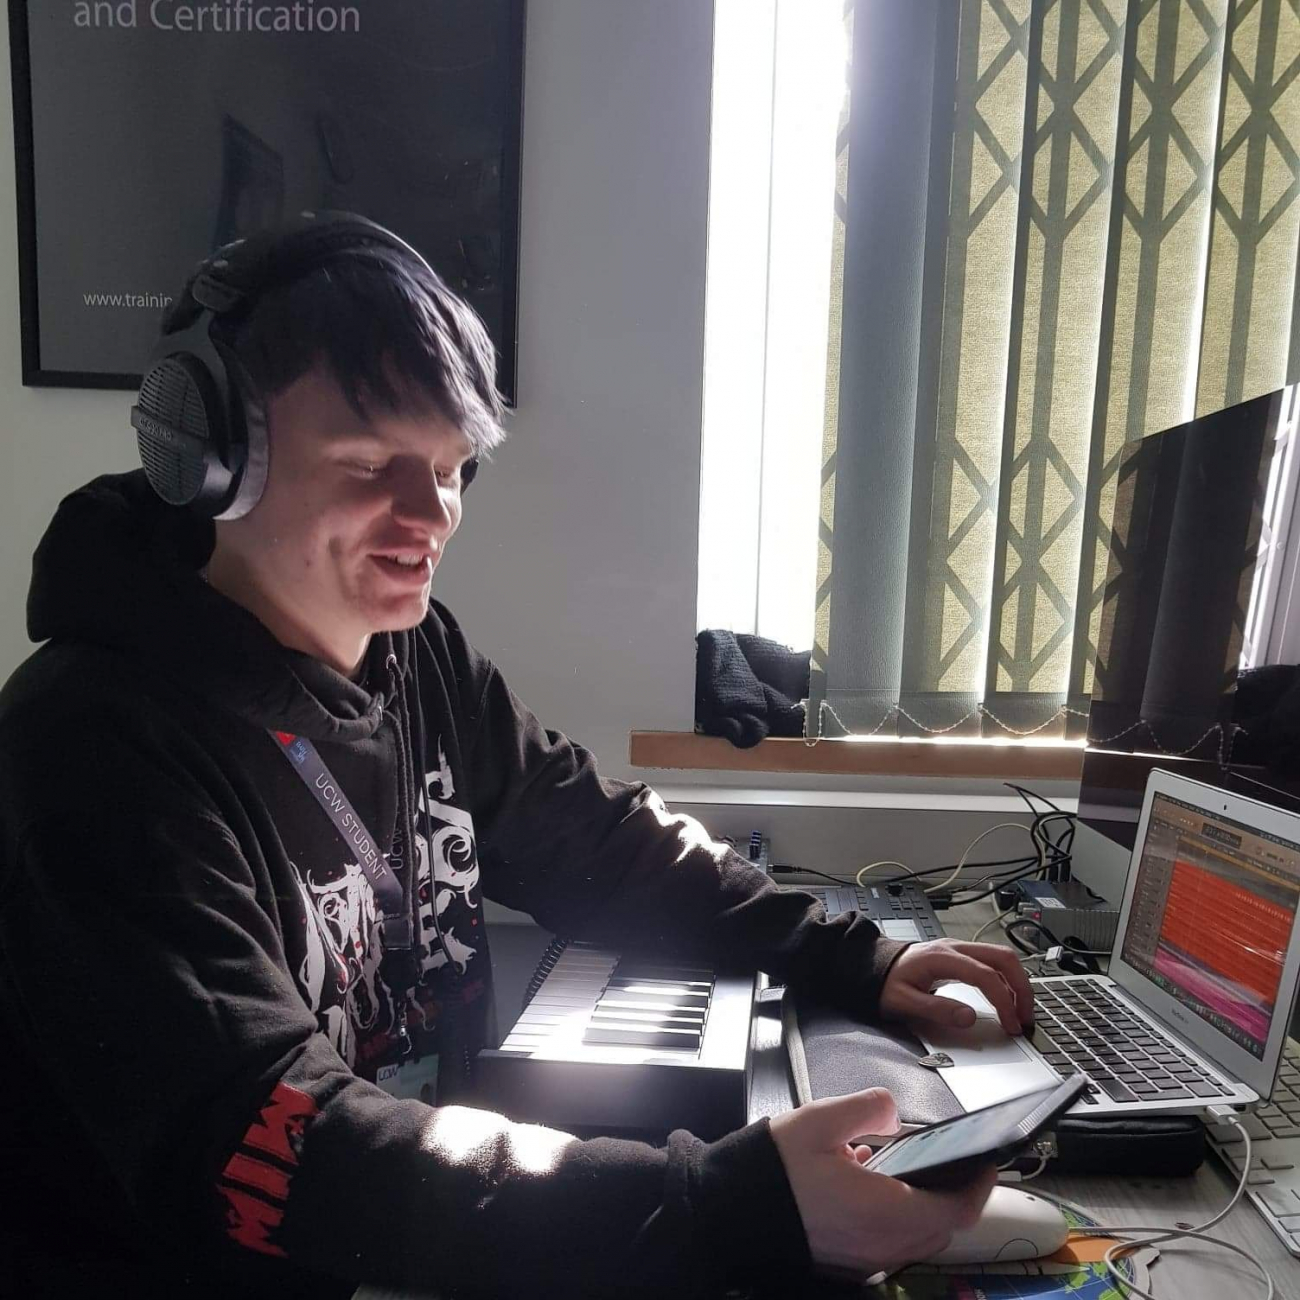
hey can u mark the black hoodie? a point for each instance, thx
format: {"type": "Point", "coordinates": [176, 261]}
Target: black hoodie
{"type": "Point", "coordinates": [190, 960]}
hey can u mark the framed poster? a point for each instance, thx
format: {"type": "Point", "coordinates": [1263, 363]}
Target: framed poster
{"type": "Point", "coordinates": [148, 132]}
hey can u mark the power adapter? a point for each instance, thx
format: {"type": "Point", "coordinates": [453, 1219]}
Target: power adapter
{"type": "Point", "coordinates": [1068, 910]}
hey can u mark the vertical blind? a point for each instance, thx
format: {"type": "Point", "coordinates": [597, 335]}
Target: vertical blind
{"type": "Point", "coordinates": [1060, 226]}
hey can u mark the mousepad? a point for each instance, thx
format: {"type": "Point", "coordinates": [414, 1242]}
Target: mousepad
{"type": "Point", "coordinates": [1075, 1272]}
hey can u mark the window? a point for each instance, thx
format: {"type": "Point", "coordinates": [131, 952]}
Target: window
{"type": "Point", "coordinates": [778, 94]}
{"type": "Point", "coordinates": [947, 288]}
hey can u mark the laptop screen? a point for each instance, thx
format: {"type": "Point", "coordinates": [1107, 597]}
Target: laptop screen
{"type": "Point", "coordinates": [1211, 917]}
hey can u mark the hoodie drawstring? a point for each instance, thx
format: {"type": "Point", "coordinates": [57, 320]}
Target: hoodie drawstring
{"type": "Point", "coordinates": [401, 967]}
{"type": "Point", "coordinates": [406, 965]}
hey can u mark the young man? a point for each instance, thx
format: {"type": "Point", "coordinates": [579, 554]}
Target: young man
{"type": "Point", "coordinates": [200, 982]}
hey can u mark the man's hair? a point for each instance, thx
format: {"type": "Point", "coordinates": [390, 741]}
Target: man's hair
{"type": "Point", "coordinates": [389, 330]}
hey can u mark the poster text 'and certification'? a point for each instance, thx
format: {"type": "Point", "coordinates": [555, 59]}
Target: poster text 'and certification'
{"type": "Point", "coordinates": [219, 16]}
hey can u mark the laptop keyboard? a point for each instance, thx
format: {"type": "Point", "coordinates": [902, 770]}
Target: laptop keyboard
{"type": "Point", "coordinates": [1274, 1181]}
{"type": "Point", "coordinates": [1081, 1029]}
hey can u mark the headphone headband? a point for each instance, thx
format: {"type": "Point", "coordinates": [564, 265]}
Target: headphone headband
{"type": "Point", "coordinates": [239, 273]}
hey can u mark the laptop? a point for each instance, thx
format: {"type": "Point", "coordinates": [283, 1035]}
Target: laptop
{"type": "Point", "coordinates": [1195, 1008]}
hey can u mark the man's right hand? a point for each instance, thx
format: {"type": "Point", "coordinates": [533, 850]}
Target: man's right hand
{"type": "Point", "coordinates": [858, 1222]}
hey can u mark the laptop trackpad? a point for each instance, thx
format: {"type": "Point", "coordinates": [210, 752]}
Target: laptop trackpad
{"type": "Point", "coordinates": [988, 1064]}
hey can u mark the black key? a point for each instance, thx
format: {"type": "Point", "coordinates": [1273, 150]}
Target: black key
{"type": "Point", "coordinates": [1177, 1091]}
{"type": "Point", "coordinates": [1116, 1091]}
{"type": "Point", "coordinates": [1088, 1100]}
{"type": "Point", "coordinates": [1144, 1089]}
{"type": "Point", "coordinates": [1203, 1089]}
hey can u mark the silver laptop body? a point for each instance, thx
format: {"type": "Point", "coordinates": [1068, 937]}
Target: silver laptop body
{"type": "Point", "coordinates": [1205, 964]}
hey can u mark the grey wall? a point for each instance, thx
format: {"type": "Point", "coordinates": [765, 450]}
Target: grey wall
{"type": "Point", "coordinates": [575, 567]}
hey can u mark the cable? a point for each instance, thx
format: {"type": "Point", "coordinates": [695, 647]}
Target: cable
{"type": "Point", "coordinates": [1168, 1234]}
{"type": "Point", "coordinates": [1037, 925]}
{"type": "Point", "coordinates": [809, 871]}
{"type": "Point", "coordinates": [1006, 864]}
{"type": "Point", "coordinates": [988, 893]}
{"type": "Point", "coordinates": [1067, 946]}
{"type": "Point", "coordinates": [1011, 864]}
{"type": "Point", "coordinates": [1017, 943]}
{"type": "Point", "coordinates": [884, 862]}
{"type": "Point", "coordinates": [1029, 795]}
{"type": "Point", "coordinates": [956, 871]}
{"type": "Point", "coordinates": [1013, 1177]}
{"type": "Point", "coordinates": [988, 925]}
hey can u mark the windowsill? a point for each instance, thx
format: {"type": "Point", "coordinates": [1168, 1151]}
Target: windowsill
{"type": "Point", "coordinates": [686, 750]}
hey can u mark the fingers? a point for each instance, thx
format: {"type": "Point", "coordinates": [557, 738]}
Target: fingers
{"type": "Point", "coordinates": [1009, 966]}
{"type": "Point", "coordinates": [945, 961]}
{"type": "Point", "coordinates": [913, 1004]}
{"type": "Point", "coordinates": [989, 981]}
{"type": "Point", "coordinates": [833, 1121]}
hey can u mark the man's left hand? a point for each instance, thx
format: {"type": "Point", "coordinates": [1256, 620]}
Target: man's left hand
{"type": "Point", "coordinates": [994, 970]}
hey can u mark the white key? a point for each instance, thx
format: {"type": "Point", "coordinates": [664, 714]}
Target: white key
{"type": "Point", "coordinates": [1259, 1180]}
{"type": "Point", "coordinates": [1280, 1200]}
{"type": "Point", "coordinates": [1276, 1163]}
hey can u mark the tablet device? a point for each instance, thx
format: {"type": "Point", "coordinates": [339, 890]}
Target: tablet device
{"type": "Point", "coordinates": [952, 1153]}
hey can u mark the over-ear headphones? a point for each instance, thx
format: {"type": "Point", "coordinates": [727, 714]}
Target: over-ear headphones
{"type": "Point", "coordinates": [202, 438]}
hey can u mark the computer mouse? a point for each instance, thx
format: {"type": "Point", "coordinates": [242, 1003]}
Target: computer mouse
{"type": "Point", "coordinates": [1015, 1225]}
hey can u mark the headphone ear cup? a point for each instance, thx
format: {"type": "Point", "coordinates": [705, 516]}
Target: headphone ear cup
{"type": "Point", "coordinates": [174, 421]}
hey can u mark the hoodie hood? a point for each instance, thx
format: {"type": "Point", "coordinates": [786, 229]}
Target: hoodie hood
{"type": "Point", "coordinates": [119, 567]}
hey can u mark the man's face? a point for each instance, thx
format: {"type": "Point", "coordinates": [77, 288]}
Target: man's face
{"type": "Point", "coordinates": [347, 498]}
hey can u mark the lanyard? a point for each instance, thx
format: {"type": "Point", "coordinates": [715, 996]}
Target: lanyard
{"type": "Point", "coordinates": [309, 765]}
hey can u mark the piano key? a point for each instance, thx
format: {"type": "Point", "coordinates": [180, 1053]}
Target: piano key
{"type": "Point", "coordinates": [660, 988]}
{"type": "Point", "coordinates": [660, 971]}
{"type": "Point", "coordinates": [614, 1035]}
{"type": "Point", "coordinates": [646, 1018]}
{"type": "Point", "coordinates": [648, 1004]}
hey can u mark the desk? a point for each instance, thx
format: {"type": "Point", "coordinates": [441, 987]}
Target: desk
{"type": "Point", "coordinates": [1187, 1270]}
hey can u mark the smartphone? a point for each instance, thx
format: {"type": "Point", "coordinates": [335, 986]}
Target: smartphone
{"type": "Point", "coordinates": [951, 1153]}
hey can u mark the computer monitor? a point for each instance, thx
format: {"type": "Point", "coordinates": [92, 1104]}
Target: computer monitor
{"type": "Point", "coordinates": [1183, 577]}
{"type": "Point", "coordinates": [1182, 571]}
